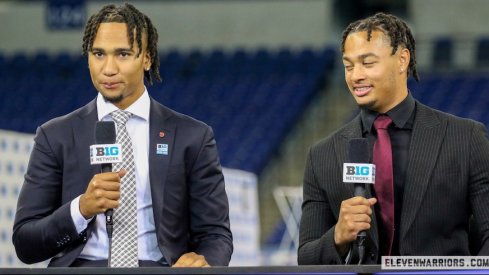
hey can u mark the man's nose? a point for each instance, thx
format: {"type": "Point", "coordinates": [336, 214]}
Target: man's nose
{"type": "Point", "coordinates": [110, 66]}
{"type": "Point", "coordinates": [358, 73]}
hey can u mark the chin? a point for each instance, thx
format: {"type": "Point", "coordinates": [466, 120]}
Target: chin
{"type": "Point", "coordinates": [113, 99]}
{"type": "Point", "coordinates": [366, 104]}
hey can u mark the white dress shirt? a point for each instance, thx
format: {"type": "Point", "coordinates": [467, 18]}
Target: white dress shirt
{"type": "Point", "coordinates": [96, 247]}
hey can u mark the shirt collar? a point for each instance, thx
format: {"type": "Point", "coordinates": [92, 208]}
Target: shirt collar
{"type": "Point", "coordinates": [402, 115]}
{"type": "Point", "coordinates": [139, 108]}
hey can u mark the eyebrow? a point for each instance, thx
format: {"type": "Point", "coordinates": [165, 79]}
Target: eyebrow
{"type": "Point", "coordinates": [362, 57]}
{"type": "Point", "coordinates": [117, 50]}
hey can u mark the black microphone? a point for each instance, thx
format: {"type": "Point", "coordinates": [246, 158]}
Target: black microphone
{"type": "Point", "coordinates": [358, 153]}
{"type": "Point", "coordinates": [105, 134]}
{"type": "Point", "coordinates": [358, 170]}
{"type": "Point", "coordinates": [105, 152]}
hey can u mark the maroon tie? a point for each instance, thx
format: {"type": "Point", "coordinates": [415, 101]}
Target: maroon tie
{"type": "Point", "coordinates": [384, 182]}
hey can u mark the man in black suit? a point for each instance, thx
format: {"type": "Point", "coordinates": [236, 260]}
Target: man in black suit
{"type": "Point", "coordinates": [182, 208]}
{"type": "Point", "coordinates": [439, 167]}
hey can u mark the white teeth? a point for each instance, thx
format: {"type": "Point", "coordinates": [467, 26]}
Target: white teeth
{"type": "Point", "coordinates": [362, 89]}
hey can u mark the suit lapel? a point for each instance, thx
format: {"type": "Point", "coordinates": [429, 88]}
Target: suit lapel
{"type": "Point", "coordinates": [161, 135]}
{"type": "Point", "coordinates": [83, 137]}
{"type": "Point", "coordinates": [426, 140]}
{"type": "Point", "coordinates": [354, 130]}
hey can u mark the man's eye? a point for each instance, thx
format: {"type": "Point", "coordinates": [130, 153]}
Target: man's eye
{"type": "Point", "coordinates": [98, 54]}
{"type": "Point", "coordinates": [123, 54]}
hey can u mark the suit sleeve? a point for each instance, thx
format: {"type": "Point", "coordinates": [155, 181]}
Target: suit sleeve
{"type": "Point", "coordinates": [43, 226]}
{"type": "Point", "coordinates": [479, 184]}
{"type": "Point", "coordinates": [209, 209]}
{"type": "Point", "coordinates": [316, 239]}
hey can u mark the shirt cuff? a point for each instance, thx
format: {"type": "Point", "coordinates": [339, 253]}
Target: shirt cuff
{"type": "Point", "coordinates": [80, 222]}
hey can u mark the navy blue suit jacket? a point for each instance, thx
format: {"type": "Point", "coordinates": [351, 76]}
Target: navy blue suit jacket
{"type": "Point", "coordinates": [190, 205]}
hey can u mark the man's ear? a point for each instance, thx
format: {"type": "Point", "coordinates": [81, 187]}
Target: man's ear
{"type": "Point", "coordinates": [404, 58]}
{"type": "Point", "coordinates": [147, 61]}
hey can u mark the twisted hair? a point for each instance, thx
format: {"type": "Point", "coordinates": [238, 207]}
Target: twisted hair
{"type": "Point", "coordinates": [393, 27]}
{"type": "Point", "coordinates": [137, 23]}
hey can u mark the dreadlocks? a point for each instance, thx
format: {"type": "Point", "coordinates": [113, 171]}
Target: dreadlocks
{"type": "Point", "coordinates": [136, 21]}
{"type": "Point", "coordinates": [393, 27]}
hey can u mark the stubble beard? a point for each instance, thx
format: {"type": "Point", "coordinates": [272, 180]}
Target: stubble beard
{"type": "Point", "coordinates": [115, 99]}
{"type": "Point", "coordinates": [370, 104]}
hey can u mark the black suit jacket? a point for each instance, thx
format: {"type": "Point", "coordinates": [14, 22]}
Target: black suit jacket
{"type": "Point", "coordinates": [190, 206]}
{"type": "Point", "coordinates": [447, 180]}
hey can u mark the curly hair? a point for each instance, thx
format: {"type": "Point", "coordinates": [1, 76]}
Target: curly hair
{"type": "Point", "coordinates": [135, 20]}
{"type": "Point", "coordinates": [393, 27]}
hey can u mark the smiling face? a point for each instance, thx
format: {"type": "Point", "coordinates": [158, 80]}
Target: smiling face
{"type": "Point", "coordinates": [376, 78]}
{"type": "Point", "coordinates": [116, 70]}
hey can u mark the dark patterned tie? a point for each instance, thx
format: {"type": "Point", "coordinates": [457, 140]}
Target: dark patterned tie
{"type": "Point", "coordinates": [125, 239]}
{"type": "Point", "coordinates": [384, 182]}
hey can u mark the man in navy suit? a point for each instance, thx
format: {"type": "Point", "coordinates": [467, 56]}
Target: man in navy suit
{"type": "Point", "coordinates": [182, 207]}
{"type": "Point", "coordinates": [439, 168]}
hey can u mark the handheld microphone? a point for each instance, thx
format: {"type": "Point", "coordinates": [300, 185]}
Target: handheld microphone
{"type": "Point", "coordinates": [359, 171]}
{"type": "Point", "coordinates": [105, 151]}
{"type": "Point", "coordinates": [105, 137]}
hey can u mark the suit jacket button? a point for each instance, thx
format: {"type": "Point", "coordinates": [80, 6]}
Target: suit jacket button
{"type": "Point", "coordinates": [372, 256]}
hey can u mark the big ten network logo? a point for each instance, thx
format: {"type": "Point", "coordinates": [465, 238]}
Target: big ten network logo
{"type": "Point", "coordinates": [359, 172]}
{"type": "Point", "coordinates": [105, 153]}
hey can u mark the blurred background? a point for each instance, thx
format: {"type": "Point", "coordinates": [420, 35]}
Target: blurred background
{"type": "Point", "coordinates": [266, 75]}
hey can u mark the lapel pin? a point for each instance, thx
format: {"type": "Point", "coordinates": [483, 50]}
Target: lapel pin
{"type": "Point", "coordinates": [162, 134]}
